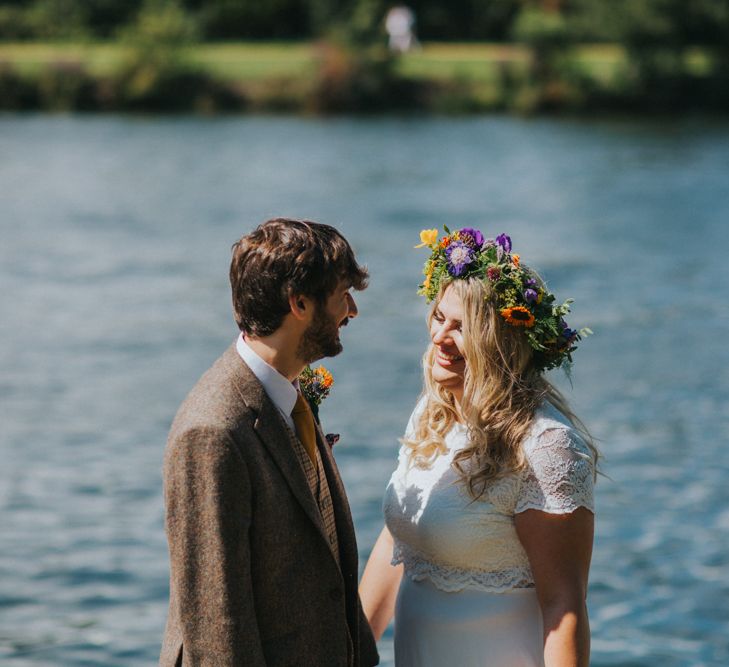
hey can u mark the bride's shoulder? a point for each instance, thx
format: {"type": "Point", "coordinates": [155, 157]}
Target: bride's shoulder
{"type": "Point", "coordinates": [553, 430]}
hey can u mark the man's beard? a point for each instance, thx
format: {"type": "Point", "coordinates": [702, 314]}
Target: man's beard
{"type": "Point", "coordinates": [321, 339]}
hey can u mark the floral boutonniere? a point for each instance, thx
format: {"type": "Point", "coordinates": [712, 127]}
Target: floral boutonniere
{"type": "Point", "coordinates": [315, 384]}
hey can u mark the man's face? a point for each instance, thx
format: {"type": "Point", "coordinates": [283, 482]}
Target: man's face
{"type": "Point", "coordinates": [321, 338]}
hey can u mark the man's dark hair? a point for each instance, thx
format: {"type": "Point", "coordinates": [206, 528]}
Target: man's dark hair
{"type": "Point", "coordinates": [283, 257]}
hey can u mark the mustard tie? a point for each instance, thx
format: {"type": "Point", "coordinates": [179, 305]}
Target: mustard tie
{"type": "Point", "coordinates": [304, 422]}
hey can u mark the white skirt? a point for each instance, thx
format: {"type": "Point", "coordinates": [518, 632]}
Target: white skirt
{"type": "Point", "coordinates": [469, 628]}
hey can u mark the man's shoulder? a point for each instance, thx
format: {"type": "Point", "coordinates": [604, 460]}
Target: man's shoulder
{"type": "Point", "coordinates": [217, 401]}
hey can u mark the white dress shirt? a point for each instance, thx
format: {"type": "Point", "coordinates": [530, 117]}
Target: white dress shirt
{"type": "Point", "coordinates": [282, 393]}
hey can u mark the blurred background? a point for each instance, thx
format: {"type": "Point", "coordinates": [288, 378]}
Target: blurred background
{"type": "Point", "coordinates": [127, 170]}
{"type": "Point", "coordinates": [326, 56]}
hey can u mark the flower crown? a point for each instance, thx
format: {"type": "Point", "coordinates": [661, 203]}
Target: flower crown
{"type": "Point", "coordinates": [523, 302]}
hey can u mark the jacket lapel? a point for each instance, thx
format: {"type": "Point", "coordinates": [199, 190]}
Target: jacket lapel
{"type": "Point", "coordinates": [342, 514]}
{"type": "Point", "coordinates": [276, 437]}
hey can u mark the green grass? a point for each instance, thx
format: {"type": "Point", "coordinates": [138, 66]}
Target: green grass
{"type": "Point", "coordinates": [238, 61]}
{"type": "Point", "coordinates": [473, 62]}
{"type": "Point", "coordinates": [246, 62]}
{"type": "Point", "coordinates": [255, 61]}
{"type": "Point", "coordinates": [31, 57]}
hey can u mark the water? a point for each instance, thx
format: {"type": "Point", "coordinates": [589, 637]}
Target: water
{"type": "Point", "coordinates": [115, 238]}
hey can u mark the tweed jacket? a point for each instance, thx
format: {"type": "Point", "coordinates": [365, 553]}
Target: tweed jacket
{"type": "Point", "coordinates": [253, 580]}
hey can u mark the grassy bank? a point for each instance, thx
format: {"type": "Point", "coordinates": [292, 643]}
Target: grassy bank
{"type": "Point", "coordinates": [453, 77]}
{"type": "Point", "coordinates": [244, 62]}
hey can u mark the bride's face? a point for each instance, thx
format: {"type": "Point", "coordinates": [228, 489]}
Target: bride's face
{"type": "Point", "coordinates": [445, 332]}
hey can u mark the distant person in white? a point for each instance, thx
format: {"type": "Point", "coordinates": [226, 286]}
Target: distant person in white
{"type": "Point", "coordinates": [400, 26]}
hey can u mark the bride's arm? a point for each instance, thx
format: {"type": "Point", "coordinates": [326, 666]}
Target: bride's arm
{"type": "Point", "coordinates": [559, 547]}
{"type": "Point", "coordinates": [379, 585]}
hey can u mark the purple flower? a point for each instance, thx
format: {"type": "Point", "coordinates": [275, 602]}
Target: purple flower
{"type": "Point", "coordinates": [567, 333]}
{"type": "Point", "coordinates": [531, 282]}
{"type": "Point", "coordinates": [504, 242]}
{"type": "Point", "coordinates": [459, 255]}
{"type": "Point", "coordinates": [475, 235]}
{"type": "Point", "coordinates": [531, 295]}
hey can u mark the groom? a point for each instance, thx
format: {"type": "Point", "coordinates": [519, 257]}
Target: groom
{"type": "Point", "coordinates": [263, 559]}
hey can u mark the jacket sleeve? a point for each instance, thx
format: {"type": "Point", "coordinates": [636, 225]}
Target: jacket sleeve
{"type": "Point", "coordinates": [208, 516]}
{"type": "Point", "coordinates": [367, 645]}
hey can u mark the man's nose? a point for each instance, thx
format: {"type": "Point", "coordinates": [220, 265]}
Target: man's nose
{"type": "Point", "coordinates": [353, 310]}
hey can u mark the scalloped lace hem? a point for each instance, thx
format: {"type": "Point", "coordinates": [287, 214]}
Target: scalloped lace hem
{"type": "Point", "coordinates": [454, 579]}
{"type": "Point", "coordinates": [567, 509]}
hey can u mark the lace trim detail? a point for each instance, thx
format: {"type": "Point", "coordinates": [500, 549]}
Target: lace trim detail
{"type": "Point", "coordinates": [559, 475]}
{"type": "Point", "coordinates": [454, 579]}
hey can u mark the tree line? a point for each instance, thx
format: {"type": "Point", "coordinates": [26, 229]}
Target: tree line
{"type": "Point", "coordinates": [667, 23]}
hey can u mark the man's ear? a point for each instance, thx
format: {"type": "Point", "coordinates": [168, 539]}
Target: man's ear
{"type": "Point", "coordinates": [302, 307]}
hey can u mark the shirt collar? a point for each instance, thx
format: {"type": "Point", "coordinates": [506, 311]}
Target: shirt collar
{"type": "Point", "coordinates": [282, 392]}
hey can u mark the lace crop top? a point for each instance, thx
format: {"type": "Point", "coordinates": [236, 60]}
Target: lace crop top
{"type": "Point", "coordinates": [440, 534]}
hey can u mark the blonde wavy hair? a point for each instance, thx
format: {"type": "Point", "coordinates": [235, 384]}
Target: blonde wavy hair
{"type": "Point", "coordinates": [502, 391]}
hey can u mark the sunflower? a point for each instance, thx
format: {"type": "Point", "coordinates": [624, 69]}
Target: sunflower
{"type": "Point", "coordinates": [519, 316]}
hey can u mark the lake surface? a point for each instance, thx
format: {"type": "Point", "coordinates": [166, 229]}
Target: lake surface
{"type": "Point", "coordinates": [115, 236]}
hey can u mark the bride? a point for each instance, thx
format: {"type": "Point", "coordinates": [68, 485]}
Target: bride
{"type": "Point", "coordinates": [488, 533]}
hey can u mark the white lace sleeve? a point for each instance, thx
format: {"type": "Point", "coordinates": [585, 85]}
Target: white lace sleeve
{"type": "Point", "coordinates": [558, 477]}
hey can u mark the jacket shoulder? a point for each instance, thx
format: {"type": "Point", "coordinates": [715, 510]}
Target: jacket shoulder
{"type": "Point", "coordinates": [216, 402]}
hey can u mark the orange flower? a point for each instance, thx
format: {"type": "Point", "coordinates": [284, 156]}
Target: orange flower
{"type": "Point", "coordinates": [515, 259]}
{"type": "Point", "coordinates": [445, 242]}
{"type": "Point", "coordinates": [518, 316]}
{"type": "Point", "coordinates": [326, 378]}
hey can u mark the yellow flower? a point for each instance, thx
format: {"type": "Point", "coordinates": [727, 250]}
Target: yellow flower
{"type": "Point", "coordinates": [429, 275]}
{"type": "Point", "coordinates": [540, 296]}
{"type": "Point", "coordinates": [428, 237]}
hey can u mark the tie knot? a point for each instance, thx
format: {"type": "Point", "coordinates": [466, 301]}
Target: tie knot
{"type": "Point", "coordinates": [301, 405]}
